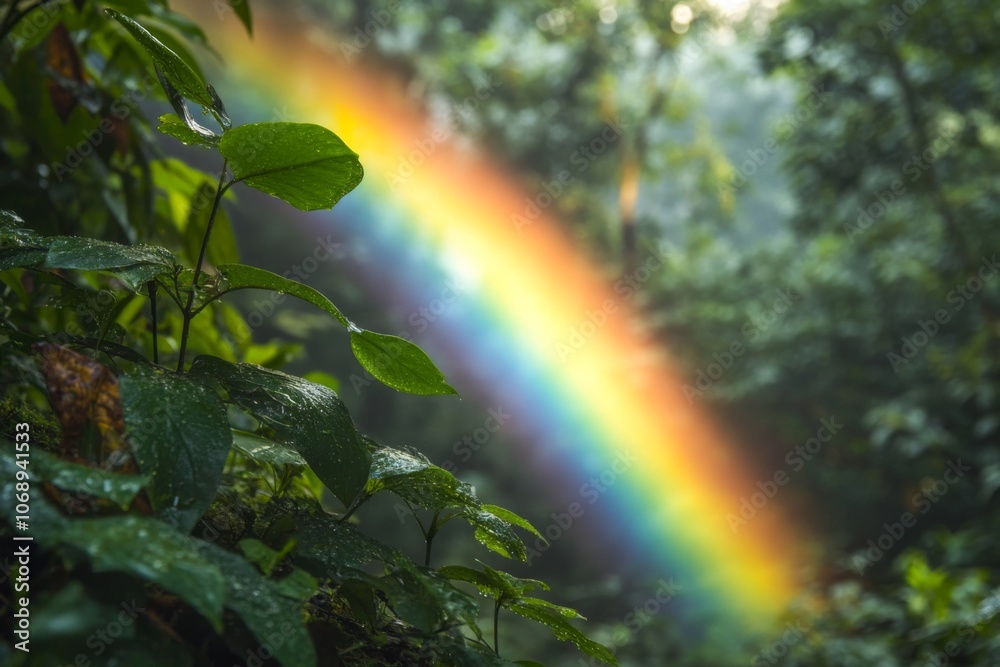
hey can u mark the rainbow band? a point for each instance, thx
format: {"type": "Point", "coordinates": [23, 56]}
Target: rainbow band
{"type": "Point", "coordinates": [589, 388]}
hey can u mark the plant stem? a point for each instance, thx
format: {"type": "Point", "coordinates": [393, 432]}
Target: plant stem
{"type": "Point", "coordinates": [496, 628]}
{"type": "Point", "coordinates": [151, 288]}
{"type": "Point", "coordinates": [187, 314]}
{"type": "Point", "coordinates": [429, 536]}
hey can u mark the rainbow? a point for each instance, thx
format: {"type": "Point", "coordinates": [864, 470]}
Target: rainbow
{"type": "Point", "coordinates": [539, 328]}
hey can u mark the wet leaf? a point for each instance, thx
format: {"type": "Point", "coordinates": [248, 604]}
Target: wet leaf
{"type": "Point", "coordinates": [176, 71]}
{"type": "Point", "coordinates": [262, 606]}
{"type": "Point", "coordinates": [308, 417]}
{"type": "Point", "coordinates": [398, 363]}
{"type": "Point", "coordinates": [425, 599]}
{"type": "Point", "coordinates": [562, 629]}
{"type": "Point", "coordinates": [263, 450]}
{"type": "Point", "coordinates": [118, 488]}
{"type": "Point", "coordinates": [136, 264]}
{"type": "Point", "coordinates": [173, 126]}
{"type": "Point", "coordinates": [240, 276]}
{"type": "Point", "coordinates": [147, 549]}
{"type": "Point", "coordinates": [306, 165]}
{"type": "Point", "coordinates": [337, 546]}
{"type": "Point", "coordinates": [180, 433]}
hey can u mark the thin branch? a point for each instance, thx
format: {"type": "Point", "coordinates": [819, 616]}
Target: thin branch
{"type": "Point", "coordinates": [496, 628]}
{"type": "Point", "coordinates": [187, 312]}
{"type": "Point", "coordinates": [151, 288]}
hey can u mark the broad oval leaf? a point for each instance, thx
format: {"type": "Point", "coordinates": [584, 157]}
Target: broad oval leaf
{"type": "Point", "coordinates": [180, 434]}
{"type": "Point", "coordinates": [142, 547]}
{"type": "Point", "coordinates": [177, 72]}
{"type": "Point", "coordinates": [398, 363]}
{"type": "Point", "coordinates": [306, 165]}
{"type": "Point", "coordinates": [262, 606]}
{"type": "Point", "coordinates": [240, 276]}
{"type": "Point", "coordinates": [308, 417]}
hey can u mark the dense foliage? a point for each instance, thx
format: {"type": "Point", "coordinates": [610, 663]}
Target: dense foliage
{"type": "Point", "coordinates": [189, 502]}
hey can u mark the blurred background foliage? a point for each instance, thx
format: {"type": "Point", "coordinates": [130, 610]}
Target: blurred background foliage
{"type": "Point", "coordinates": [758, 136]}
{"type": "Point", "coordinates": [760, 145]}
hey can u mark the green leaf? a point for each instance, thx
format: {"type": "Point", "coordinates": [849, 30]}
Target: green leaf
{"type": "Point", "coordinates": [562, 629]}
{"type": "Point", "coordinates": [514, 519]}
{"type": "Point", "coordinates": [394, 361]}
{"type": "Point", "coordinates": [180, 434]}
{"type": "Point", "coordinates": [308, 417]}
{"type": "Point", "coordinates": [299, 585]}
{"type": "Point", "coordinates": [425, 599]}
{"type": "Point", "coordinates": [11, 258]}
{"type": "Point", "coordinates": [136, 264]}
{"type": "Point", "coordinates": [488, 585]}
{"type": "Point", "coordinates": [173, 126]}
{"type": "Point", "coordinates": [337, 546]}
{"type": "Point", "coordinates": [240, 276]}
{"type": "Point", "coordinates": [398, 363]}
{"type": "Point", "coordinates": [180, 106]}
{"type": "Point", "coordinates": [263, 450]}
{"type": "Point", "coordinates": [521, 586]}
{"type": "Point", "coordinates": [388, 462]}
{"type": "Point", "coordinates": [242, 9]}
{"type": "Point", "coordinates": [176, 71]}
{"type": "Point", "coordinates": [494, 583]}
{"type": "Point", "coordinates": [413, 478]}
{"type": "Point", "coordinates": [306, 165]}
{"type": "Point", "coordinates": [149, 550]}
{"type": "Point", "coordinates": [495, 533]}
{"type": "Point", "coordinates": [119, 488]}
{"type": "Point", "coordinates": [262, 606]}
{"type": "Point", "coordinates": [263, 556]}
